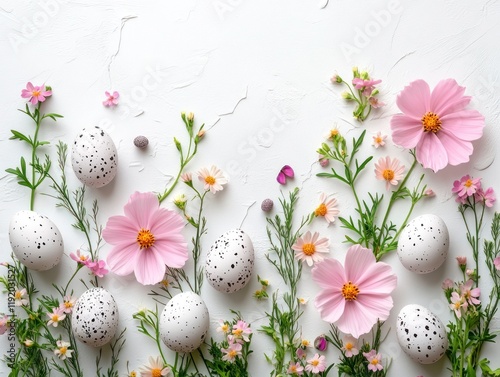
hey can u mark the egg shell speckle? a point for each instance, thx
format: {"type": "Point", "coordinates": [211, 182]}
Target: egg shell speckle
{"type": "Point", "coordinates": [35, 240]}
{"type": "Point", "coordinates": [94, 157]}
{"type": "Point", "coordinates": [423, 244]}
{"type": "Point", "coordinates": [230, 260]}
{"type": "Point", "coordinates": [184, 322]}
{"type": "Point", "coordinates": [95, 317]}
{"type": "Point", "coordinates": [421, 334]}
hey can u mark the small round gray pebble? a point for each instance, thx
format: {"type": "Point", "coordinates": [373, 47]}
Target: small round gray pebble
{"type": "Point", "coordinates": [267, 205]}
{"type": "Point", "coordinates": [141, 141]}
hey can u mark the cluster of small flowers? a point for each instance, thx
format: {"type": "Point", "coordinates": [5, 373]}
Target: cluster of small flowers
{"type": "Point", "coordinates": [372, 358]}
{"type": "Point", "coordinates": [315, 364]}
{"type": "Point", "coordinates": [235, 336]}
{"type": "Point", "coordinates": [469, 191]}
{"type": "Point", "coordinates": [212, 179]}
{"type": "Point", "coordinates": [98, 268]}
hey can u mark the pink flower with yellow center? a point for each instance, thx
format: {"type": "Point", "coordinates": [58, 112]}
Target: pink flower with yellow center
{"type": "Point", "coordinates": [35, 94]}
{"type": "Point", "coordinates": [68, 304]}
{"type": "Point", "coordinates": [349, 346]}
{"type": "Point", "coordinates": [232, 352]}
{"type": "Point", "coordinates": [56, 316]}
{"type": "Point", "coordinates": [436, 124]}
{"type": "Point", "coordinates": [155, 368]}
{"type": "Point", "coordinates": [389, 170]}
{"type": "Point", "coordinates": [146, 240]}
{"type": "Point", "coordinates": [379, 140]}
{"type": "Point", "coordinates": [316, 364]}
{"type": "Point", "coordinates": [458, 303]}
{"type": "Point", "coordinates": [79, 258]}
{"type": "Point", "coordinates": [327, 208]}
{"type": "Point", "coordinates": [470, 294]}
{"type": "Point", "coordinates": [466, 187]}
{"type": "Point", "coordinates": [4, 322]}
{"type": "Point", "coordinates": [241, 330]}
{"type": "Point", "coordinates": [308, 246]}
{"type": "Point", "coordinates": [213, 179]}
{"type": "Point", "coordinates": [62, 351]}
{"type": "Point", "coordinates": [295, 369]}
{"type": "Point", "coordinates": [111, 99]}
{"type": "Point", "coordinates": [20, 297]}
{"type": "Point", "coordinates": [354, 296]}
{"type": "Point", "coordinates": [374, 360]}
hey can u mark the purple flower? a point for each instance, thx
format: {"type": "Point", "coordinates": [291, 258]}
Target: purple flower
{"type": "Point", "coordinates": [286, 171]}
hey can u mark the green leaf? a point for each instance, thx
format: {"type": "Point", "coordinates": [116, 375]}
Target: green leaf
{"type": "Point", "coordinates": [23, 166]}
{"type": "Point", "coordinates": [19, 136]}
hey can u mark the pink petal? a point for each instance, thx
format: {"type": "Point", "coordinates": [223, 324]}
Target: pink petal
{"type": "Point", "coordinates": [379, 307]}
{"type": "Point", "coordinates": [164, 223]}
{"type": "Point", "coordinates": [406, 131]}
{"type": "Point", "coordinates": [30, 86]}
{"type": "Point", "coordinates": [119, 229]}
{"type": "Point", "coordinates": [377, 279]}
{"type": "Point", "coordinates": [459, 151]}
{"type": "Point", "coordinates": [288, 171]}
{"type": "Point", "coordinates": [356, 320]}
{"type": "Point", "coordinates": [466, 124]}
{"type": "Point", "coordinates": [140, 207]}
{"type": "Point", "coordinates": [329, 274]}
{"type": "Point", "coordinates": [431, 153]}
{"type": "Point", "coordinates": [414, 99]}
{"type": "Point", "coordinates": [448, 97]}
{"type": "Point", "coordinates": [357, 261]}
{"type": "Point", "coordinates": [122, 258]}
{"type": "Point", "coordinates": [330, 304]}
{"type": "Point", "coordinates": [281, 178]}
{"type": "Point", "coordinates": [174, 252]}
{"type": "Point", "coordinates": [149, 267]}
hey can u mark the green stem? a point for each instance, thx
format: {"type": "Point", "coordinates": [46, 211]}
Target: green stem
{"type": "Point", "coordinates": [33, 156]}
{"type": "Point", "coordinates": [79, 266]}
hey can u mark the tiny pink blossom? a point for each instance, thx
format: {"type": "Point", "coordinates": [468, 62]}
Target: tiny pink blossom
{"type": "Point", "coordinates": [447, 284]}
{"type": "Point", "coordinates": [309, 248]}
{"type": "Point", "coordinates": [79, 258]}
{"type": "Point", "coordinates": [462, 261]}
{"type": "Point", "coordinates": [458, 303]}
{"type": "Point", "coordinates": [20, 296]}
{"type": "Point", "coordinates": [301, 353]}
{"type": "Point", "coordinates": [429, 193]}
{"type": "Point", "coordinates": [111, 99]}
{"type": "Point", "coordinates": [366, 86]}
{"type": "Point", "coordinates": [496, 262]}
{"type": "Point", "coordinates": [232, 352]}
{"type": "Point", "coordinates": [186, 177]}
{"type": "Point", "coordinates": [466, 187]}
{"type": "Point", "coordinates": [323, 161]}
{"type": "Point", "coordinates": [375, 103]}
{"type": "Point", "coordinates": [374, 360]}
{"type": "Point", "coordinates": [56, 316]}
{"type": "Point", "coordinates": [68, 304]}
{"type": "Point", "coordinates": [316, 364]}
{"type": "Point", "coordinates": [349, 346]}
{"type": "Point", "coordinates": [487, 197]}
{"type": "Point", "coordinates": [242, 330]}
{"type": "Point", "coordinates": [98, 268]}
{"type": "Point", "coordinates": [4, 322]}
{"type": "Point", "coordinates": [469, 293]}
{"type": "Point", "coordinates": [224, 327]}
{"type": "Point", "coordinates": [389, 170]}
{"type": "Point", "coordinates": [295, 369]}
{"type": "Point", "coordinates": [35, 94]}
{"type": "Point", "coordinates": [379, 140]}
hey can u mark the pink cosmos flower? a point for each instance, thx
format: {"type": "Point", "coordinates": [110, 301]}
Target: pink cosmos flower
{"type": "Point", "coordinates": [379, 140]}
{"type": "Point", "coordinates": [4, 324]}
{"type": "Point", "coordinates": [308, 246]}
{"type": "Point", "coordinates": [295, 369]}
{"type": "Point", "coordinates": [349, 346]}
{"type": "Point", "coordinates": [232, 352]}
{"type": "Point", "coordinates": [35, 94]}
{"type": "Point", "coordinates": [79, 258]}
{"type": "Point", "coordinates": [366, 86]}
{"type": "Point", "coordinates": [316, 364]}
{"type": "Point", "coordinates": [470, 294]}
{"type": "Point", "coordinates": [327, 208]}
{"type": "Point", "coordinates": [374, 360]}
{"type": "Point", "coordinates": [111, 99]}
{"type": "Point", "coordinates": [62, 351]}
{"type": "Point", "coordinates": [241, 330]}
{"type": "Point", "coordinates": [155, 368]}
{"type": "Point", "coordinates": [458, 303]}
{"type": "Point", "coordinates": [356, 295]}
{"type": "Point", "coordinates": [146, 240]}
{"type": "Point", "coordinates": [436, 123]}
{"type": "Point", "coordinates": [465, 187]}
{"type": "Point", "coordinates": [213, 179]}
{"type": "Point", "coordinates": [389, 171]}
{"type": "Point", "coordinates": [486, 197]}
{"type": "Point", "coordinates": [98, 268]}
{"type": "Point", "coordinates": [56, 316]}
{"type": "Point", "coordinates": [20, 297]}
{"type": "Point", "coordinates": [286, 171]}
{"type": "Point", "coordinates": [68, 304]}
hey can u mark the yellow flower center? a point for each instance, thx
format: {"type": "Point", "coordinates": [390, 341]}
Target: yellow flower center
{"type": "Point", "coordinates": [350, 291]}
{"type": "Point", "coordinates": [210, 180]}
{"type": "Point", "coordinates": [334, 132]}
{"type": "Point", "coordinates": [83, 258]}
{"type": "Point", "coordinates": [68, 304]}
{"type": "Point", "coordinates": [349, 346]}
{"type": "Point", "coordinates": [145, 238]}
{"type": "Point", "coordinates": [431, 122]}
{"type": "Point", "coordinates": [374, 361]}
{"type": "Point", "coordinates": [293, 368]}
{"type": "Point", "coordinates": [233, 354]}
{"type": "Point", "coordinates": [18, 295]}
{"type": "Point", "coordinates": [308, 249]}
{"type": "Point", "coordinates": [305, 343]}
{"type": "Point", "coordinates": [468, 183]}
{"type": "Point", "coordinates": [63, 350]}
{"type": "Point", "coordinates": [388, 174]}
{"type": "Point", "coordinates": [133, 374]}
{"type": "Point", "coordinates": [225, 328]}
{"type": "Point", "coordinates": [55, 318]}
{"type": "Point", "coordinates": [36, 93]}
{"type": "Point", "coordinates": [315, 363]}
{"type": "Point", "coordinates": [156, 372]}
{"type": "Point", "coordinates": [321, 210]}
{"type": "Point", "coordinates": [378, 140]}
{"type": "Point", "coordinates": [237, 332]}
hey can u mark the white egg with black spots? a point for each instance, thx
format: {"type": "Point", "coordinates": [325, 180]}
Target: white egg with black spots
{"type": "Point", "coordinates": [94, 157]}
{"type": "Point", "coordinates": [35, 240]}
{"type": "Point", "coordinates": [95, 317]}
{"type": "Point", "coordinates": [421, 334]}
{"type": "Point", "coordinates": [229, 262]}
{"type": "Point", "coordinates": [423, 244]}
{"type": "Point", "coordinates": [184, 322]}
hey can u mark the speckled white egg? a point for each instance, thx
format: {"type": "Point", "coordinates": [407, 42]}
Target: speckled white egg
{"type": "Point", "coordinates": [421, 334]}
{"type": "Point", "coordinates": [94, 157]}
{"type": "Point", "coordinates": [229, 262]}
{"type": "Point", "coordinates": [423, 244]}
{"type": "Point", "coordinates": [184, 322]}
{"type": "Point", "coordinates": [95, 317]}
{"type": "Point", "coordinates": [35, 240]}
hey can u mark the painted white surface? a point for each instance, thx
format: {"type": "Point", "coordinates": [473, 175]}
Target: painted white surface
{"type": "Point", "coordinates": [257, 73]}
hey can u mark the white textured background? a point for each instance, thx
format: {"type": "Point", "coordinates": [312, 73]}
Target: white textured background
{"type": "Point", "coordinates": [257, 73]}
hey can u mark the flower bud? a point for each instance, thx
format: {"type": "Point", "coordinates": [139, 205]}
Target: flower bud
{"type": "Point", "coordinates": [346, 95]}
{"type": "Point", "coordinates": [320, 343]}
